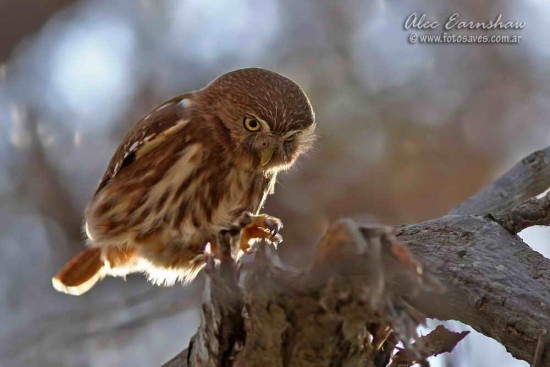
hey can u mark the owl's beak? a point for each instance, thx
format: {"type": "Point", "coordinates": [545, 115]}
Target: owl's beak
{"type": "Point", "coordinates": [265, 154]}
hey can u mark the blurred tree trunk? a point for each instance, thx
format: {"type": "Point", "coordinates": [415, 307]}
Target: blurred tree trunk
{"type": "Point", "coordinates": [20, 18]}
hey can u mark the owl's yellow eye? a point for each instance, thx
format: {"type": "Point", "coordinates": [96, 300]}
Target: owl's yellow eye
{"type": "Point", "coordinates": [251, 124]}
{"type": "Point", "coordinates": [291, 138]}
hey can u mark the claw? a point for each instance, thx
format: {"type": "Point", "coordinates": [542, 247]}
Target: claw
{"type": "Point", "coordinates": [274, 225]}
{"type": "Point", "coordinates": [275, 230]}
{"type": "Point", "coordinates": [277, 239]}
{"type": "Point", "coordinates": [258, 227]}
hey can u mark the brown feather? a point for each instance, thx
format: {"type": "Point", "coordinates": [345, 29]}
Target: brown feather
{"type": "Point", "coordinates": [161, 119]}
{"type": "Point", "coordinates": [80, 273]}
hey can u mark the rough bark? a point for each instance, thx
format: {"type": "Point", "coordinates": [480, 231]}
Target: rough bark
{"type": "Point", "coordinates": [496, 283]}
{"type": "Point", "coordinates": [366, 291]}
{"type": "Point", "coordinates": [530, 213]}
{"type": "Point", "coordinates": [348, 309]}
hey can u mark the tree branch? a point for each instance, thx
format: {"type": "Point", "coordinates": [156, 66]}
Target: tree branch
{"type": "Point", "coordinates": [496, 283]}
{"type": "Point", "coordinates": [530, 177]}
{"type": "Point", "coordinates": [440, 340]}
{"type": "Point", "coordinates": [532, 212]}
{"type": "Point", "coordinates": [366, 291]}
{"type": "Point", "coordinates": [344, 310]}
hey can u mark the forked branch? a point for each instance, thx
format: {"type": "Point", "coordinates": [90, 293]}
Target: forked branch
{"type": "Point", "coordinates": [369, 289]}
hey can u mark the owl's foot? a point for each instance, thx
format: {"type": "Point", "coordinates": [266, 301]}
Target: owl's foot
{"type": "Point", "coordinates": [258, 227]}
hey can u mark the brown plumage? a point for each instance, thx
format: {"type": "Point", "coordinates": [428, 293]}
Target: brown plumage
{"type": "Point", "coordinates": [188, 169]}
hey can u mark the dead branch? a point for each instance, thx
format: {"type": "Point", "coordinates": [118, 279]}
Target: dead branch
{"type": "Point", "coordinates": [532, 212]}
{"type": "Point", "coordinates": [496, 283]}
{"type": "Point", "coordinates": [440, 340]}
{"type": "Point", "coordinates": [366, 291]}
{"type": "Point", "coordinates": [344, 310]}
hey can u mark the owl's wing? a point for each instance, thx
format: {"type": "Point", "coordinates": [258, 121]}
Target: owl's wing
{"type": "Point", "coordinates": [147, 134]}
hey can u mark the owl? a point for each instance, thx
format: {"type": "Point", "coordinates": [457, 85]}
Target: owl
{"type": "Point", "coordinates": [187, 170]}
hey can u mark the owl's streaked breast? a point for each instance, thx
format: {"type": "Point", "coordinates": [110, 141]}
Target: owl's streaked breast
{"type": "Point", "coordinates": [193, 193]}
{"type": "Point", "coordinates": [202, 193]}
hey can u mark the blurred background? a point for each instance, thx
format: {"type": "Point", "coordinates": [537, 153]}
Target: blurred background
{"type": "Point", "coordinates": [406, 132]}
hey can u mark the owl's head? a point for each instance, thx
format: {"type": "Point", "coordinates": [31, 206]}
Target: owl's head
{"type": "Point", "coordinates": [266, 117]}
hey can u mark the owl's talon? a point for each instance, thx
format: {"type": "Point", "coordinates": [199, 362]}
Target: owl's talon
{"type": "Point", "coordinates": [274, 227]}
{"type": "Point", "coordinates": [276, 239]}
{"type": "Point", "coordinates": [258, 227]}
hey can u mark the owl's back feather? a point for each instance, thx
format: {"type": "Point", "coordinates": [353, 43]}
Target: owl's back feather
{"type": "Point", "coordinates": [148, 133]}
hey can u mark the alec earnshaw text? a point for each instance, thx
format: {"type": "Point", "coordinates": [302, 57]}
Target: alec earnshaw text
{"type": "Point", "coordinates": [420, 22]}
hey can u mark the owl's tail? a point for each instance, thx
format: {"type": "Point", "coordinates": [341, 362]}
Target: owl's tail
{"type": "Point", "coordinates": [80, 273]}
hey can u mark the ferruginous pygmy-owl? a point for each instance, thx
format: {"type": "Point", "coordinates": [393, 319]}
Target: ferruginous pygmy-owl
{"type": "Point", "coordinates": [188, 169]}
